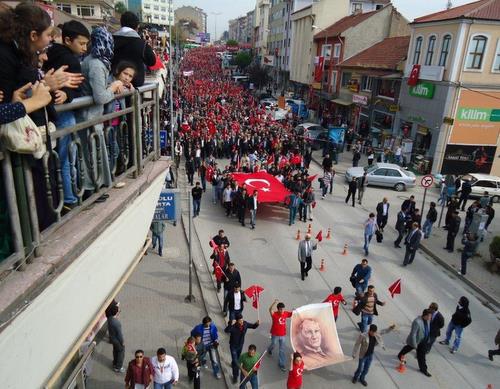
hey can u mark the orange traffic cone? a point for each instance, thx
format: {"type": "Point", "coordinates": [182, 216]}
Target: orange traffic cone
{"type": "Point", "coordinates": [298, 235]}
{"type": "Point", "coordinates": [345, 249]}
{"type": "Point", "coordinates": [309, 229]}
{"type": "Point", "coordinates": [329, 235]}
{"type": "Point", "coordinates": [322, 265]}
{"type": "Point", "coordinates": [490, 386]}
{"type": "Point", "coordinates": [402, 365]}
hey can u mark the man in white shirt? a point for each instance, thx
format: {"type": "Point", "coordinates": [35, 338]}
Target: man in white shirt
{"type": "Point", "coordinates": [166, 371]}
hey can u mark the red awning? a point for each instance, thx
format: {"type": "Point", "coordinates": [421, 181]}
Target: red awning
{"type": "Point", "coordinates": [271, 190]}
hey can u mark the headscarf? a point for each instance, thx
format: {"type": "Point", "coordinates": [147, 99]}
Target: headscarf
{"type": "Point", "coordinates": [102, 45]}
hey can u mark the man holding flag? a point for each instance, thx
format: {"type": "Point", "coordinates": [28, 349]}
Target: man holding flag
{"type": "Point", "coordinates": [278, 331]}
{"type": "Point", "coordinates": [249, 363]}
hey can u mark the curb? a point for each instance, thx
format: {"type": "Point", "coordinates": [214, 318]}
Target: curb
{"type": "Point", "coordinates": [490, 299]}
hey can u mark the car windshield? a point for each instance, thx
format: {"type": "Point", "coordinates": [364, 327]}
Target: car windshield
{"type": "Point", "coordinates": [370, 169]}
{"type": "Point", "coordinates": [471, 179]}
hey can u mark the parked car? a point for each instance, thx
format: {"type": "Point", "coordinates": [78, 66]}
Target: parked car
{"type": "Point", "coordinates": [313, 133]}
{"type": "Point", "coordinates": [268, 102]}
{"type": "Point", "coordinates": [384, 174]}
{"type": "Point", "coordinates": [483, 183]}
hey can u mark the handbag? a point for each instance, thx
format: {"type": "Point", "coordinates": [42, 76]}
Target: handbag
{"type": "Point", "coordinates": [23, 136]}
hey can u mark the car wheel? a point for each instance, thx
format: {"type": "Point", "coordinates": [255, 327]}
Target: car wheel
{"type": "Point", "coordinates": [495, 199]}
{"type": "Point", "coordinates": [399, 187]}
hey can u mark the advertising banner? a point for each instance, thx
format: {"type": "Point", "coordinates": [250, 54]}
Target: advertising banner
{"type": "Point", "coordinates": [313, 333]}
{"type": "Point", "coordinates": [166, 208]}
{"type": "Point", "coordinates": [477, 120]}
{"type": "Point", "coordinates": [337, 134]}
{"type": "Point", "coordinates": [460, 159]}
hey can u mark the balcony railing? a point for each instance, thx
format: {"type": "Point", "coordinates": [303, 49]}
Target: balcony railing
{"type": "Point", "coordinates": [131, 144]}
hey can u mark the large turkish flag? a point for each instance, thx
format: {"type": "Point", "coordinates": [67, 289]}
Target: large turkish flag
{"type": "Point", "coordinates": [271, 190]}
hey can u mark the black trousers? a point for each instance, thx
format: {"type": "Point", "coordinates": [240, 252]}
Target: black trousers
{"type": "Point", "coordinates": [241, 215]}
{"type": "Point", "coordinates": [400, 237]}
{"type": "Point", "coordinates": [450, 241]}
{"type": "Point", "coordinates": [194, 374]}
{"type": "Point", "coordinates": [349, 194]}
{"type": "Point", "coordinates": [305, 267]}
{"type": "Point", "coordinates": [118, 354]}
{"type": "Point", "coordinates": [382, 221]}
{"type": "Point", "coordinates": [421, 353]}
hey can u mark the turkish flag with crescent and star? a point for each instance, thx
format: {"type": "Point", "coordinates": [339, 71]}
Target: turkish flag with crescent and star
{"type": "Point", "coordinates": [415, 73]}
{"type": "Point", "coordinates": [271, 190]}
{"type": "Point", "coordinates": [254, 292]}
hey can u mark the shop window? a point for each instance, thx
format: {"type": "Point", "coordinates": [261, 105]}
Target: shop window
{"type": "Point", "coordinates": [382, 120]}
{"type": "Point", "coordinates": [430, 50]}
{"type": "Point", "coordinates": [445, 50]}
{"type": "Point", "coordinates": [346, 79]}
{"type": "Point", "coordinates": [366, 83]}
{"type": "Point", "coordinates": [387, 88]}
{"type": "Point", "coordinates": [475, 54]}
{"type": "Point", "coordinates": [418, 50]}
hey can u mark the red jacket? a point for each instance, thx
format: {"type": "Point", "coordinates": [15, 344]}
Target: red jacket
{"type": "Point", "coordinates": [147, 372]}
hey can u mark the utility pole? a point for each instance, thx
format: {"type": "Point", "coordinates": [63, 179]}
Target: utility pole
{"type": "Point", "coordinates": [215, 23]}
{"type": "Point", "coordinates": [170, 60]}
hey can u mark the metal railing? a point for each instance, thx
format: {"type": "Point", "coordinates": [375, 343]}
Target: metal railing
{"type": "Point", "coordinates": [33, 189]}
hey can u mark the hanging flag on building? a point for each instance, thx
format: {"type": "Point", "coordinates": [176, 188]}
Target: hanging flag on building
{"type": "Point", "coordinates": [415, 73]}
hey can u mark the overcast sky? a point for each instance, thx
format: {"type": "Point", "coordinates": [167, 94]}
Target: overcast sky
{"type": "Point", "coordinates": [229, 9]}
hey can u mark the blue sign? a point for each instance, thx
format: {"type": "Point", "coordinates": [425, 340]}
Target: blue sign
{"type": "Point", "coordinates": [337, 135]}
{"type": "Point", "coordinates": [163, 139]}
{"type": "Point", "coordinates": [166, 206]}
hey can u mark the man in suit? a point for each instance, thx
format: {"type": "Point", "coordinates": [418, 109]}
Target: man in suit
{"type": "Point", "coordinates": [412, 241]}
{"type": "Point", "coordinates": [418, 339]}
{"type": "Point", "coordinates": [353, 186]}
{"type": "Point", "coordinates": [382, 213]}
{"type": "Point", "coordinates": [453, 228]}
{"type": "Point", "coordinates": [306, 248]}
{"type": "Point", "coordinates": [409, 205]}
{"type": "Point", "coordinates": [400, 227]}
{"type": "Point", "coordinates": [436, 323]}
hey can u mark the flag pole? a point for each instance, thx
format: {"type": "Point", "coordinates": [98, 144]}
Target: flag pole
{"type": "Point", "coordinates": [258, 305]}
{"type": "Point", "coordinates": [245, 380]}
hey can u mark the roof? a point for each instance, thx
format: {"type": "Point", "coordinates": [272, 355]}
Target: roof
{"type": "Point", "coordinates": [482, 9]}
{"type": "Point", "coordinates": [387, 54]}
{"type": "Point", "coordinates": [344, 23]}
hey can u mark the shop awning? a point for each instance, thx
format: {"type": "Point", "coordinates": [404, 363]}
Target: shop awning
{"type": "Point", "coordinates": [342, 102]}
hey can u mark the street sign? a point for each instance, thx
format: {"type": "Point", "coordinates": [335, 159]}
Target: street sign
{"type": "Point", "coordinates": [427, 181]}
{"type": "Point", "coordinates": [163, 139]}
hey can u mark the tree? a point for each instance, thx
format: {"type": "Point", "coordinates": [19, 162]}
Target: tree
{"type": "Point", "coordinates": [258, 75]}
{"type": "Point", "coordinates": [242, 60]}
{"type": "Point", "coordinates": [120, 7]}
{"type": "Point", "coordinates": [232, 42]}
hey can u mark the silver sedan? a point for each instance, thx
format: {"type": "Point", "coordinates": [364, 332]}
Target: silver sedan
{"type": "Point", "coordinates": [384, 174]}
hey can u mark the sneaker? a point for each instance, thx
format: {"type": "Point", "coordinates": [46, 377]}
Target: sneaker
{"type": "Point", "coordinates": [354, 380]}
{"type": "Point", "coordinates": [270, 353]}
{"type": "Point", "coordinates": [205, 366]}
{"type": "Point", "coordinates": [218, 376]}
{"type": "Point", "coordinates": [119, 370]}
{"type": "Point", "coordinates": [453, 351]}
{"type": "Point", "coordinates": [445, 342]}
{"type": "Point", "coordinates": [363, 382]}
{"type": "Point", "coordinates": [426, 373]}
{"type": "Point", "coordinates": [282, 368]}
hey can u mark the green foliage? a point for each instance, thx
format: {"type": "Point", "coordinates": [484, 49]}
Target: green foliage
{"type": "Point", "coordinates": [232, 42]}
{"type": "Point", "coordinates": [242, 60]}
{"type": "Point", "coordinates": [495, 247]}
{"type": "Point", "coordinates": [258, 75]}
{"type": "Point", "coordinates": [120, 7]}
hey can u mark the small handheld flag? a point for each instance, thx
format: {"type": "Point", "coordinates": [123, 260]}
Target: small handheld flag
{"type": "Point", "coordinates": [395, 288]}
{"type": "Point", "coordinates": [319, 237]}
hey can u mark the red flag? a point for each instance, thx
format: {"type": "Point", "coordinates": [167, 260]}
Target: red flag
{"type": "Point", "coordinates": [219, 273]}
{"type": "Point", "coordinates": [271, 190]}
{"type": "Point", "coordinates": [238, 163]}
{"type": "Point", "coordinates": [311, 178]}
{"type": "Point", "coordinates": [254, 368]}
{"type": "Point", "coordinates": [270, 159]}
{"type": "Point", "coordinates": [319, 237]}
{"type": "Point", "coordinates": [313, 204]}
{"type": "Point", "coordinates": [395, 288]}
{"type": "Point", "coordinates": [158, 64]}
{"type": "Point", "coordinates": [254, 292]}
{"type": "Point", "coordinates": [318, 71]}
{"type": "Point", "coordinates": [212, 244]}
{"type": "Point", "coordinates": [415, 73]}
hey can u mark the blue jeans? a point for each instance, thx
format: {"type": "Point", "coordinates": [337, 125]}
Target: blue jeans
{"type": "Point", "coordinates": [458, 334]}
{"type": "Point", "coordinates": [166, 385]}
{"type": "Point", "coordinates": [361, 287]}
{"type": "Point", "coordinates": [159, 239]}
{"type": "Point", "coordinates": [254, 381]}
{"type": "Point", "coordinates": [253, 213]}
{"type": "Point", "coordinates": [368, 239]}
{"type": "Point", "coordinates": [196, 207]}
{"type": "Point", "coordinates": [114, 147]}
{"type": "Point", "coordinates": [66, 119]}
{"type": "Point", "coordinates": [427, 228]}
{"type": "Point", "coordinates": [293, 213]}
{"type": "Point", "coordinates": [281, 344]}
{"type": "Point", "coordinates": [366, 320]}
{"type": "Point", "coordinates": [363, 367]}
{"type": "Point", "coordinates": [233, 313]}
{"type": "Point", "coordinates": [235, 356]}
{"type": "Point", "coordinates": [213, 359]}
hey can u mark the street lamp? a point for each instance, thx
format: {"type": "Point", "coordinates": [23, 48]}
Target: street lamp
{"type": "Point", "coordinates": [320, 108]}
{"type": "Point", "coordinates": [215, 23]}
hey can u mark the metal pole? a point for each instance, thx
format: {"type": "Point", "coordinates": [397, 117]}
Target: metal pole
{"type": "Point", "coordinates": [190, 298]}
{"type": "Point", "coordinates": [423, 203]}
{"type": "Point", "coordinates": [441, 215]}
{"type": "Point", "coordinates": [170, 59]}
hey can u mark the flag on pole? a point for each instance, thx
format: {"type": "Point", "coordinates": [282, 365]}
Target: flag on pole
{"type": "Point", "coordinates": [395, 288]}
{"type": "Point", "coordinates": [254, 369]}
{"type": "Point", "coordinates": [254, 292]}
{"type": "Point", "coordinates": [212, 244]}
{"type": "Point", "coordinates": [319, 237]}
{"type": "Point", "coordinates": [218, 271]}
{"type": "Point", "coordinates": [312, 178]}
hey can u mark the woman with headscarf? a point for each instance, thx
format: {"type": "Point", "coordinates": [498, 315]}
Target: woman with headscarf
{"type": "Point", "coordinates": [96, 69]}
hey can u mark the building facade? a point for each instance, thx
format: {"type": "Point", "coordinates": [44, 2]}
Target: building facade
{"type": "Point", "coordinates": [194, 14]}
{"type": "Point", "coordinates": [262, 32]}
{"type": "Point", "coordinates": [152, 11]}
{"type": "Point", "coordinates": [451, 114]}
{"type": "Point", "coordinates": [89, 10]}
{"type": "Point", "coordinates": [367, 5]}
{"type": "Point", "coordinates": [238, 29]}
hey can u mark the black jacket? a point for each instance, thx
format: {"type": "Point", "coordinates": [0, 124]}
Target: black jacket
{"type": "Point", "coordinates": [115, 330]}
{"type": "Point", "coordinates": [432, 215]}
{"type": "Point", "coordinates": [461, 317]}
{"type": "Point", "coordinates": [454, 225]}
{"type": "Point", "coordinates": [436, 324]}
{"type": "Point", "coordinates": [401, 220]}
{"type": "Point", "coordinates": [380, 209]}
{"type": "Point", "coordinates": [229, 301]}
{"type": "Point", "coordinates": [196, 192]}
{"type": "Point", "coordinates": [130, 47]}
{"type": "Point", "coordinates": [237, 334]}
{"type": "Point", "coordinates": [232, 278]}
{"type": "Point", "coordinates": [59, 55]}
{"type": "Point", "coordinates": [353, 185]}
{"type": "Point", "coordinates": [218, 240]}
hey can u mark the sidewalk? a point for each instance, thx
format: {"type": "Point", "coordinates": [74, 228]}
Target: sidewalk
{"type": "Point", "coordinates": [154, 314]}
{"type": "Point", "coordinates": [478, 277]}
